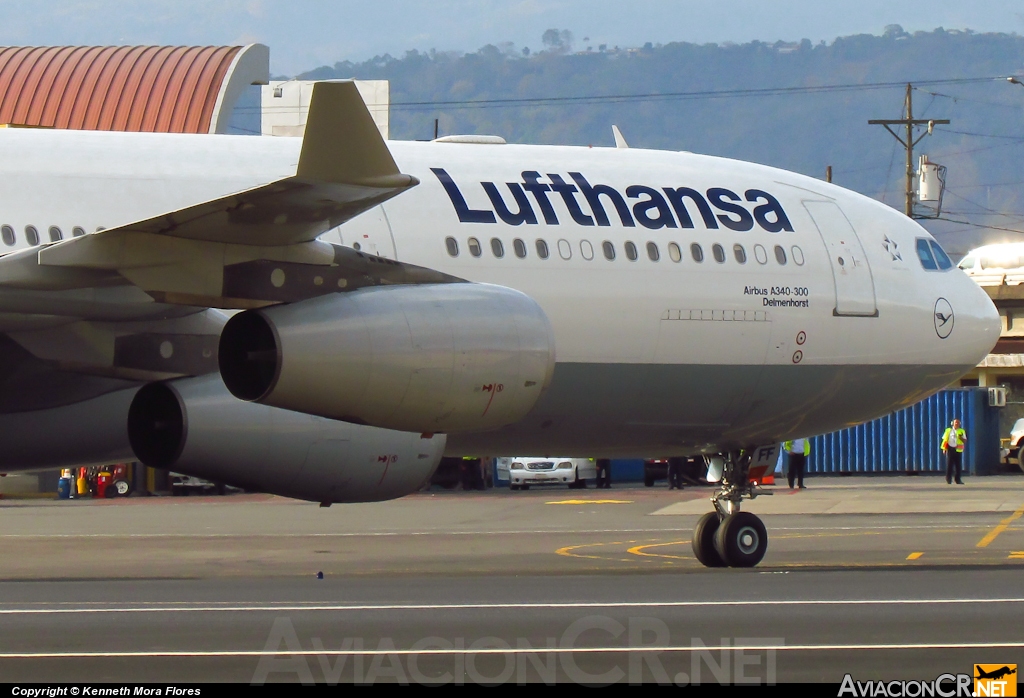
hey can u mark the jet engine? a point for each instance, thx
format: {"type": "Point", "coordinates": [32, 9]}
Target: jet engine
{"type": "Point", "coordinates": [194, 426]}
{"type": "Point", "coordinates": [421, 358]}
{"type": "Point", "coordinates": [90, 432]}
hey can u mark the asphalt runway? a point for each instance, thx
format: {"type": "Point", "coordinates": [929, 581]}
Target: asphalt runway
{"type": "Point", "coordinates": [881, 578]}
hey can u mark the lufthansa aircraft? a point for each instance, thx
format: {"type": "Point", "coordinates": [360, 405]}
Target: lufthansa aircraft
{"type": "Point", "coordinates": [324, 318]}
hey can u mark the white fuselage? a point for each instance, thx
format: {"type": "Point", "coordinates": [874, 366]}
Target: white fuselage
{"type": "Point", "coordinates": [814, 313]}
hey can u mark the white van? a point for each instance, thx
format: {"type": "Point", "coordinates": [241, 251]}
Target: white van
{"type": "Point", "coordinates": [524, 471]}
{"type": "Point", "coordinates": [994, 265]}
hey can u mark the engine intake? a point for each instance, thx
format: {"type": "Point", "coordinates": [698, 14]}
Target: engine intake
{"type": "Point", "coordinates": [424, 358]}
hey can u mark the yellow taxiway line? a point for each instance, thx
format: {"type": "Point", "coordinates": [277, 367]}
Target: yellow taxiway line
{"type": "Point", "coordinates": [1003, 525]}
{"type": "Point", "coordinates": [638, 550]}
{"type": "Point", "coordinates": [590, 501]}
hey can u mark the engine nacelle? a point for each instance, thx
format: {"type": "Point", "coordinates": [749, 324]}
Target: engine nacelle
{"type": "Point", "coordinates": [90, 432]}
{"type": "Point", "coordinates": [429, 358]}
{"type": "Point", "coordinates": [194, 426]}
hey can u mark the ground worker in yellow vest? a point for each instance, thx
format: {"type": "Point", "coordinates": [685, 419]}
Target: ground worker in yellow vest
{"type": "Point", "coordinates": [797, 451]}
{"type": "Point", "coordinates": [953, 441]}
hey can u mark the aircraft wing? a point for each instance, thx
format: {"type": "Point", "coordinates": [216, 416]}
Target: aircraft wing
{"type": "Point", "coordinates": [344, 168]}
{"type": "Point", "coordinates": [222, 253]}
{"type": "Point", "coordinates": [137, 302]}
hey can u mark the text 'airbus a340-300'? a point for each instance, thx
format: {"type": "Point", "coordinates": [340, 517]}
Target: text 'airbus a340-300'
{"type": "Point", "coordinates": [325, 317]}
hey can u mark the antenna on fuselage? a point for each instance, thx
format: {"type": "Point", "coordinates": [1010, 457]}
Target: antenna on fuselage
{"type": "Point", "coordinates": [620, 142]}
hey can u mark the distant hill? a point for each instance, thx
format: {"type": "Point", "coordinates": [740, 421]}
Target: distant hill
{"type": "Point", "coordinates": [803, 131]}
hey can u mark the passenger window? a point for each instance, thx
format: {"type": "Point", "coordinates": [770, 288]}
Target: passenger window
{"type": "Point", "coordinates": [739, 253]}
{"type": "Point", "coordinates": [520, 247]}
{"type": "Point", "coordinates": [696, 252]}
{"type": "Point", "coordinates": [77, 232]}
{"type": "Point", "coordinates": [497, 248]}
{"type": "Point", "coordinates": [356, 246]}
{"type": "Point", "coordinates": [798, 255]}
{"type": "Point", "coordinates": [941, 257]}
{"type": "Point", "coordinates": [55, 234]}
{"type": "Point", "coordinates": [924, 253]}
{"type": "Point", "coordinates": [542, 249]}
{"type": "Point", "coordinates": [564, 249]}
{"type": "Point", "coordinates": [653, 253]}
{"type": "Point", "coordinates": [474, 247]}
{"type": "Point", "coordinates": [609, 250]}
{"type": "Point", "coordinates": [719, 253]}
{"type": "Point", "coordinates": [452, 245]}
{"type": "Point", "coordinates": [760, 254]}
{"type": "Point", "coordinates": [31, 235]}
{"type": "Point", "coordinates": [7, 233]}
{"type": "Point", "coordinates": [780, 255]}
{"type": "Point", "coordinates": [631, 253]}
{"type": "Point", "coordinates": [674, 253]}
{"type": "Point", "coordinates": [586, 249]}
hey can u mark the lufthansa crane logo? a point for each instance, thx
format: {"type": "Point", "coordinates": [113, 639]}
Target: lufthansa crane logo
{"type": "Point", "coordinates": [943, 318]}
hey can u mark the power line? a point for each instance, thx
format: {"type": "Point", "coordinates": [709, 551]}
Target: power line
{"type": "Point", "coordinates": [980, 135]}
{"type": "Point", "coordinates": [989, 184]}
{"type": "Point", "coordinates": [666, 96]}
{"type": "Point", "coordinates": [980, 225]}
{"type": "Point", "coordinates": [970, 99]}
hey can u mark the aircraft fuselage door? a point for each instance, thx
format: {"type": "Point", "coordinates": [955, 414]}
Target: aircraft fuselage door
{"type": "Point", "coordinates": [368, 232]}
{"type": "Point", "coordinates": [854, 285]}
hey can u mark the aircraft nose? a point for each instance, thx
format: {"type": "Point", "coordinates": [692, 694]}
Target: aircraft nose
{"type": "Point", "coordinates": [966, 315]}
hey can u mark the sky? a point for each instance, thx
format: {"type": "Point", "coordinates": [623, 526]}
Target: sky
{"type": "Point", "coordinates": [305, 34]}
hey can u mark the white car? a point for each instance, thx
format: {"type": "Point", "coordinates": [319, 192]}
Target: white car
{"type": "Point", "coordinates": [995, 265]}
{"type": "Point", "coordinates": [1016, 443]}
{"type": "Point", "coordinates": [183, 485]}
{"type": "Point", "coordinates": [524, 471]}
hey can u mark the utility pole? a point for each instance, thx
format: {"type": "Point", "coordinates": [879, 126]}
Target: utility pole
{"type": "Point", "coordinates": [909, 122]}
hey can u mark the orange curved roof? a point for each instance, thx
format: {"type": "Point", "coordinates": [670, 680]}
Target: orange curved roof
{"type": "Point", "coordinates": [170, 89]}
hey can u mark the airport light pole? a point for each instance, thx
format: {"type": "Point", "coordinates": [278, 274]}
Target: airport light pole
{"type": "Point", "coordinates": [910, 122]}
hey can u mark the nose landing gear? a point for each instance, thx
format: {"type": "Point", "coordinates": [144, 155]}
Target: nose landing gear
{"type": "Point", "coordinates": [728, 537]}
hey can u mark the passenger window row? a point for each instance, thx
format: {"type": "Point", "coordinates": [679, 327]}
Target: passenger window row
{"type": "Point", "coordinates": [630, 251]}
{"type": "Point", "coordinates": [10, 238]}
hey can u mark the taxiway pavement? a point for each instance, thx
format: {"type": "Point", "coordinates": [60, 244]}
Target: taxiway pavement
{"type": "Point", "coordinates": [882, 578]}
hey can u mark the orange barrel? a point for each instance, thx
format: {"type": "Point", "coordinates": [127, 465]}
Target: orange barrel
{"type": "Point", "coordinates": [102, 482]}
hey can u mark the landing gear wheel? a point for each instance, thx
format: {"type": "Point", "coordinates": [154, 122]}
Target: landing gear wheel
{"type": "Point", "coordinates": [1020, 457]}
{"type": "Point", "coordinates": [704, 540]}
{"type": "Point", "coordinates": [741, 540]}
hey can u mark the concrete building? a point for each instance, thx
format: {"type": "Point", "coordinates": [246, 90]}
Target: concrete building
{"type": "Point", "coordinates": [286, 104]}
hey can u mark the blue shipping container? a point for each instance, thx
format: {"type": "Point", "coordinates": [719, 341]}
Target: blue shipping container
{"type": "Point", "coordinates": [909, 440]}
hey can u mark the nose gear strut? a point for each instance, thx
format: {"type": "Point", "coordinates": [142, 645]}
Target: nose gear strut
{"type": "Point", "coordinates": [728, 536]}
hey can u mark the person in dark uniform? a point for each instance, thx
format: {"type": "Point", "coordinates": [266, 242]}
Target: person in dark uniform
{"type": "Point", "coordinates": [953, 442]}
{"type": "Point", "coordinates": [797, 450]}
{"type": "Point", "coordinates": [604, 473]}
{"type": "Point", "coordinates": [675, 473]}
